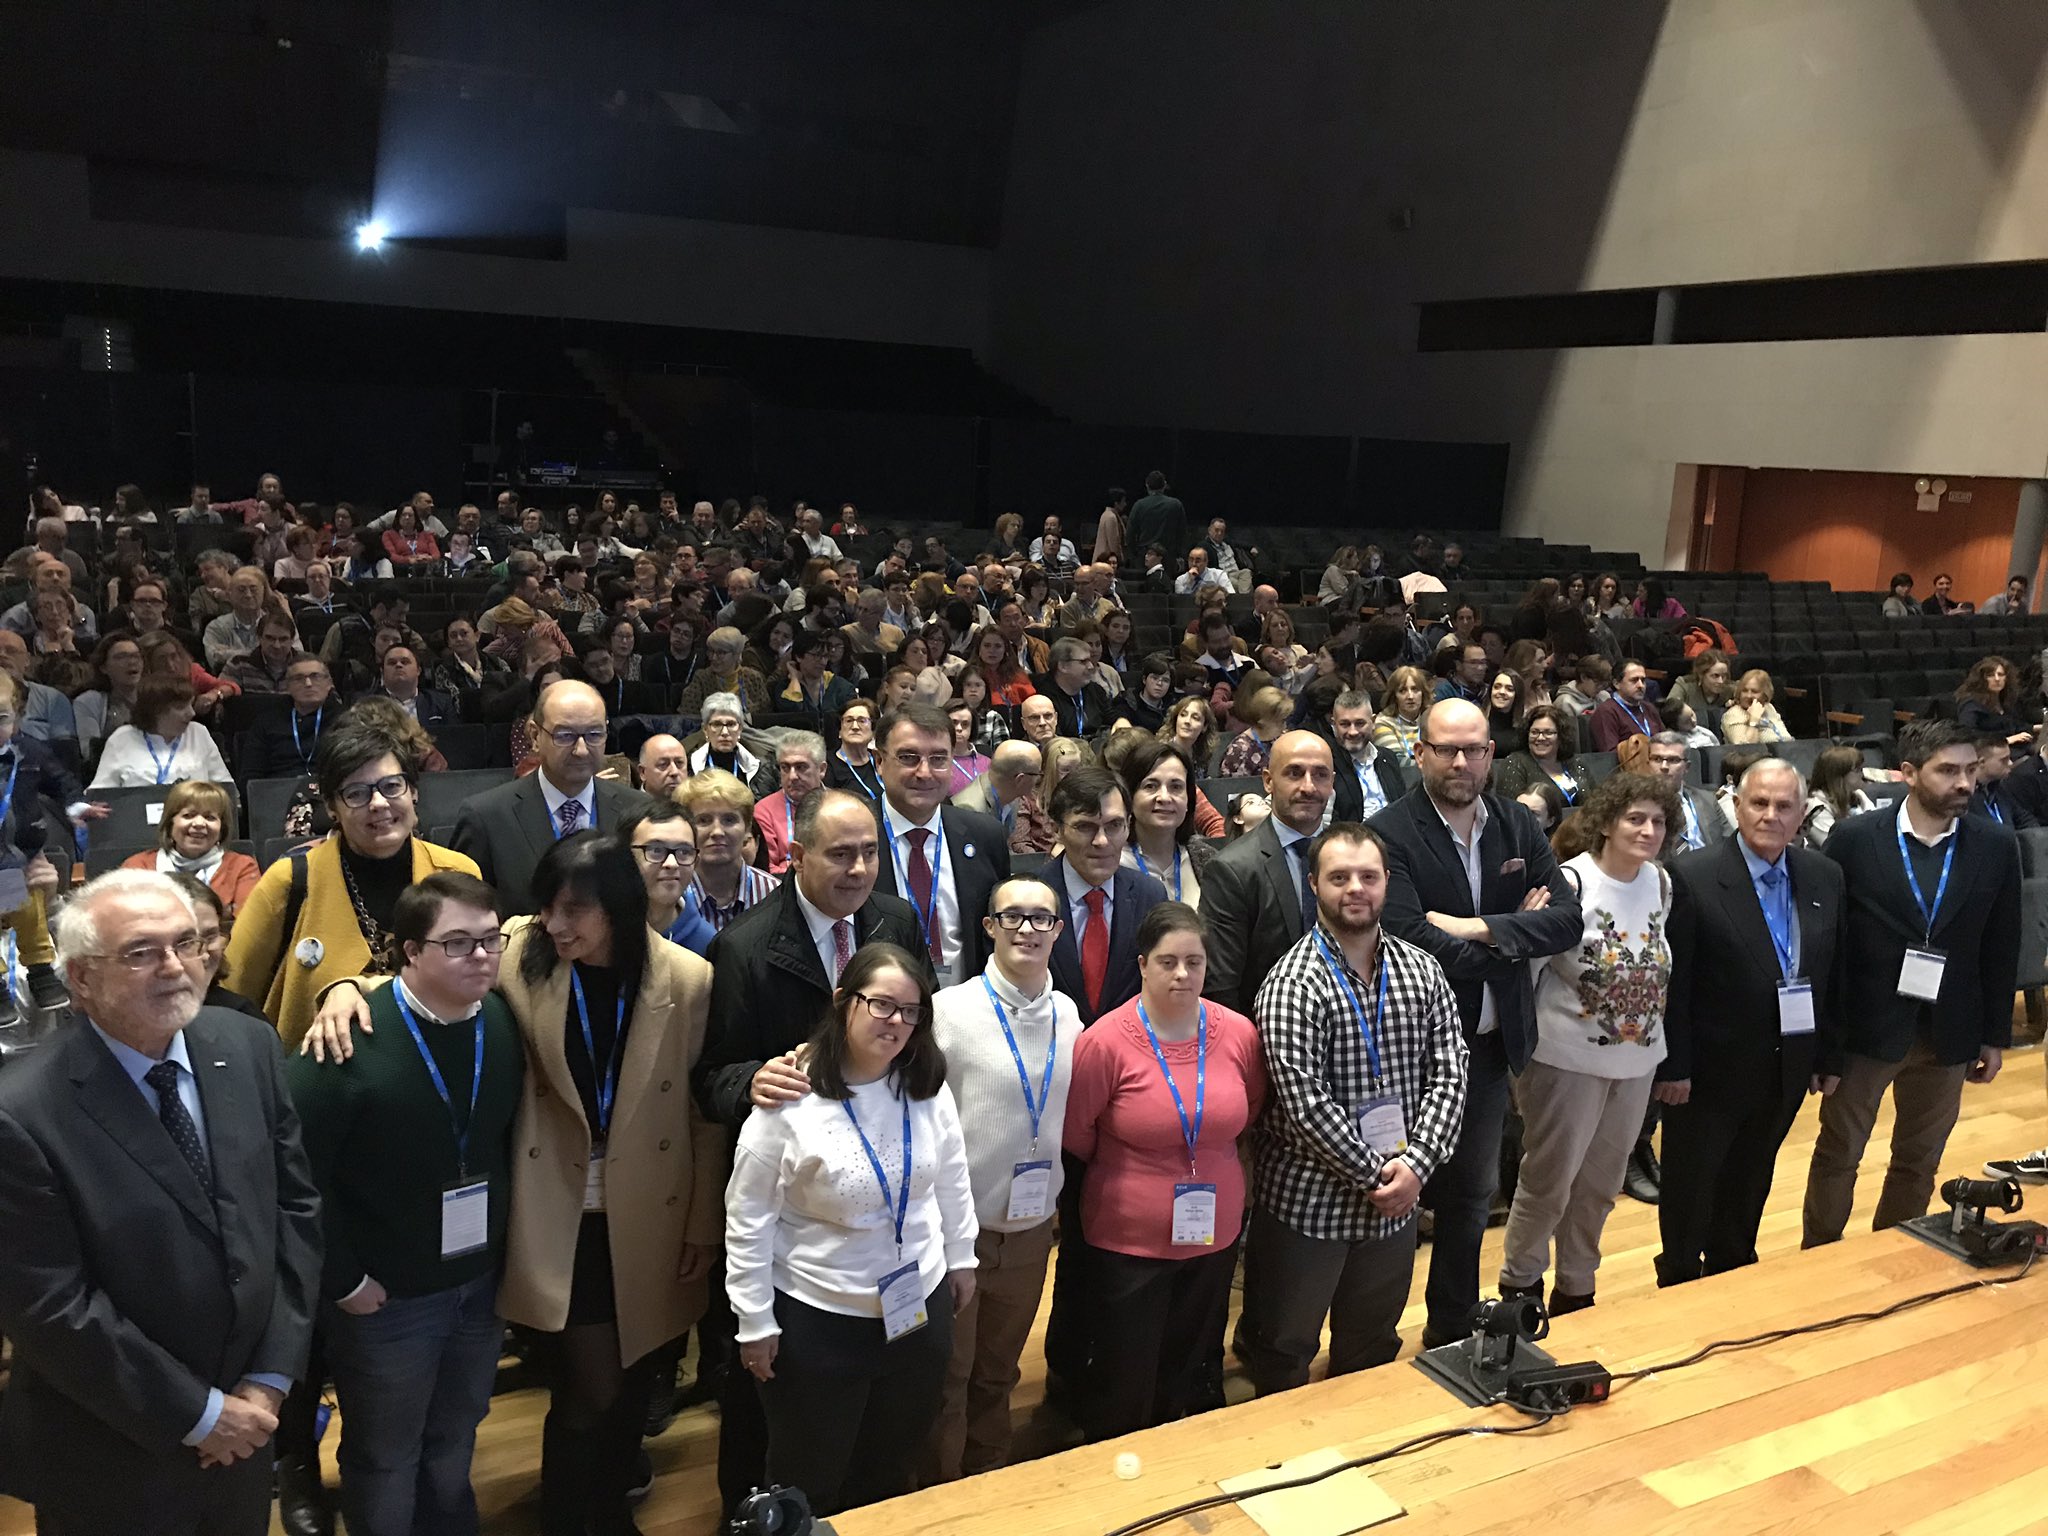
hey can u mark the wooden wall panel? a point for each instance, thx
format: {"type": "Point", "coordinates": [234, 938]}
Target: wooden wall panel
{"type": "Point", "coordinates": [1854, 529]}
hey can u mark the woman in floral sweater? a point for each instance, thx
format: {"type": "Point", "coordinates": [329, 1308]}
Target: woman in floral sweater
{"type": "Point", "coordinates": [1599, 1037]}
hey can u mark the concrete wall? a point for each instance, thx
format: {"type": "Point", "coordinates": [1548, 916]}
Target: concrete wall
{"type": "Point", "coordinates": [656, 271]}
{"type": "Point", "coordinates": [1207, 197]}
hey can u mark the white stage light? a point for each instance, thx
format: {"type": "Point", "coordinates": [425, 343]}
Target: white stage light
{"type": "Point", "coordinates": [370, 235]}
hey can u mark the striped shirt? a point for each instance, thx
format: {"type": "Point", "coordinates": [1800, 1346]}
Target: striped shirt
{"type": "Point", "coordinates": [755, 884]}
{"type": "Point", "coordinates": [1311, 1167]}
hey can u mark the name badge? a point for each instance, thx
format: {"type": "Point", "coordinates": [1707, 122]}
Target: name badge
{"type": "Point", "coordinates": [465, 1218]}
{"type": "Point", "coordinates": [13, 889]}
{"type": "Point", "coordinates": [593, 1181]}
{"type": "Point", "coordinates": [1030, 1191]}
{"type": "Point", "coordinates": [902, 1303]}
{"type": "Point", "coordinates": [1382, 1126]}
{"type": "Point", "coordinates": [1795, 1007]}
{"type": "Point", "coordinates": [1194, 1215]}
{"type": "Point", "coordinates": [1920, 974]}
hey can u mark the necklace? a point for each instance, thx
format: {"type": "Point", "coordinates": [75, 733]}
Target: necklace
{"type": "Point", "coordinates": [372, 930]}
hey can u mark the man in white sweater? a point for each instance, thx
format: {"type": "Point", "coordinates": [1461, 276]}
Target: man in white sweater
{"type": "Point", "coordinates": [1009, 1044]}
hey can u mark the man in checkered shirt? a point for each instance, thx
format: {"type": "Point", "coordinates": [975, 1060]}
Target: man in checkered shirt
{"type": "Point", "coordinates": [1367, 1062]}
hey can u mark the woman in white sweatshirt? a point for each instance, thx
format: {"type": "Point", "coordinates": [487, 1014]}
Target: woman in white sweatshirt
{"type": "Point", "coordinates": [849, 1241]}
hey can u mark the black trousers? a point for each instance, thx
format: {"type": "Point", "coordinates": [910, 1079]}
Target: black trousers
{"type": "Point", "coordinates": [1155, 1321]}
{"type": "Point", "coordinates": [847, 1409]}
{"type": "Point", "coordinates": [219, 1501]}
{"type": "Point", "coordinates": [742, 1431]}
{"type": "Point", "coordinates": [1069, 1331]}
{"type": "Point", "coordinates": [1460, 1195]}
{"type": "Point", "coordinates": [1720, 1149]}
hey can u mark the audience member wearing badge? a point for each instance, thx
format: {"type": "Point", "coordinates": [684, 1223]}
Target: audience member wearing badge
{"type": "Point", "coordinates": [1009, 1041]}
{"type": "Point", "coordinates": [1163, 1087]}
{"type": "Point", "coordinates": [850, 1241]}
{"type": "Point", "coordinates": [1367, 1061]}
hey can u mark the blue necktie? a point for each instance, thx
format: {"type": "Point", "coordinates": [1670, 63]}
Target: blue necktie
{"type": "Point", "coordinates": [170, 1109]}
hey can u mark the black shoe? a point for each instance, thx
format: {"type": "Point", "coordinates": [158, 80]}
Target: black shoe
{"type": "Point", "coordinates": [46, 988]}
{"type": "Point", "coordinates": [705, 1387]}
{"type": "Point", "coordinates": [643, 1478]}
{"type": "Point", "coordinates": [1512, 1292]}
{"type": "Point", "coordinates": [1563, 1302]}
{"type": "Point", "coordinates": [1644, 1178]}
{"type": "Point", "coordinates": [302, 1507]}
{"type": "Point", "coordinates": [1432, 1340]}
{"type": "Point", "coordinates": [662, 1402]}
{"type": "Point", "coordinates": [9, 1014]}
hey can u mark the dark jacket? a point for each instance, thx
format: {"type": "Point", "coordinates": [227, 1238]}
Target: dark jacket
{"type": "Point", "coordinates": [1096, 711]}
{"type": "Point", "coordinates": [507, 829]}
{"type": "Point", "coordinates": [2006, 804]}
{"type": "Point", "coordinates": [769, 992]}
{"type": "Point", "coordinates": [270, 751]}
{"type": "Point", "coordinates": [1396, 779]}
{"type": "Point", "coordinates": [978, 854]}
{"type": "Point", "coordinates": [1977, 927]}
{"type": "Point", "coordinates": [1132, 895]}
{"type": "Point", "coordinates": [1157, 519]}
{"type": "Point", "coordinates": [1251, 904]}
{"type": "Point", "coordinates": [433, 709]}
{"type": "Point", "coordinates": [1424, 875]}
{"type": "Point", "coordinates": [125, 1291]}
{"type": "Point", "coordinates": [1721, 1016]}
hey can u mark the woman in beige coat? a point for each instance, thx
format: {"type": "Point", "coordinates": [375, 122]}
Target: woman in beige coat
{"type": "Point", "coordinates": [618, 1184]}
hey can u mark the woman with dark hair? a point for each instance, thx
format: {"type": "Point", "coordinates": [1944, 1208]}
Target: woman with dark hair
{"type": "Point", "coordinates": [1939, 603]}
{"type": "Point", "coordinates": [849, 1241]}
{"type": "Point", "coordinates": [1118, 653]}
{"type": "Point", "coordinates": [1607, 601]}
{"type": "Point", "coordinates": [1149, 685]}
{"type": "Point", "coordinates": [1159, 784]}
{"type": "Point", "coordinates": [1531, 620]}
{"type": "Point", "coordinates": [1163, 1086]}
{"type": "Point", "coordinates": [1835, 794]}
{"type": "Point", "coordinates": [1503, 706]}
{"type": "Point", "coordinates": [110, 702]}
{"type": "Point", "coordinates": [162, 743]}
{"type": "Point", "coordinates": [1191, 726]}
{"type": "Point", "coordinates": [1652, 604]}
{"type": "Point", "coordinates": [406, 543]}
{"type": "Point", "coordinates": [364, 558]}
{"type": "Point", "coordinates": [664, 842]}
{"type": "Point", "coordinates": [1550, 740]}
{"type": "Point", "coordinates": [853, 766]}
{"type": "Point", "coordinates": [465, 668]}
{"type": "Point", "coordinates": [1987, 702]}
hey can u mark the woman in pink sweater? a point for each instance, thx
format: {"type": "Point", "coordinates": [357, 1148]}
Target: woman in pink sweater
{"type": "Point", "coordinates": [1162, 1089]}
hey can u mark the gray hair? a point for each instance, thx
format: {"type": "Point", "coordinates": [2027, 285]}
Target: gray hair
{"type": "Point", "coordinates": [75, 928]}
{"type": "Point", "coordinates": [723, 704]}
{"type": "Point", "coordinates": [810, 743]}
{"type": "Point", "coordinates": [1670, 739]}
{"type": "Point", "coordinates": [219, 557]}
{"type": "Point", "coordinates": [1352, 698]}
{"type": "Point", "coordinates": [1773, 765]}
{"type": "Point", "coordinates": [1069, 649]}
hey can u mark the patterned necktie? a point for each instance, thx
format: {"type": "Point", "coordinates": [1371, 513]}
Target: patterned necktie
{"type": "Point", "coordinates": [1094, 949]}
{"type": "Point", "coordinates": [163, 1077]}
{"type": "Point", "coordinates": [842, 948]}
{"type": "Point", "coordinates": [570, 814]}
{"type": "Point", "coordinates": [921, 892]}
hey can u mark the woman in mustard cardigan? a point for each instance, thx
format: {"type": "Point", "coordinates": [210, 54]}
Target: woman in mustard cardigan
{"type": "Point", "coordinates": [615, 1263]}
{"type": "Point", "coordinates": [318, 917]}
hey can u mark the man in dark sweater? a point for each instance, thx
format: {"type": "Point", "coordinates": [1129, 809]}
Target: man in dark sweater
{"type": "Point", "coordinates": [411, 1143]}
{"type": "Point", "coordinates": [1159, 518]}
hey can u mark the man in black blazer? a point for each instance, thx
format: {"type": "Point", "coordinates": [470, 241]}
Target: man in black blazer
{"type": "Point", "coordinates": [281, 745]}
{"type": "Point", "coordinates": [1471, 879]}
{"type": "Point", "coordinates": [1932, 961]}
{"type": "Point", "coordinates": [507, 829]}
{"type": "Point", "coordinates": [771, 985]}
{"type": "Point", "coordinates": [1368, 779]}
{"type": "Point", "coordinates": [400, 682]}
{"type": "Point", "coordinates": [1994, 798]}
{"type": "Point", "coordinates": [1700, 824]}
{"type": "Point", "coordinates": [1094, 821]}
{"type": "Point", "coordinates": [1754, 919]}
{"type": "Point", "coordinates": [162, 1252]}
{"type": "Point", "coordinates": [1083, 707]}
{"type": "Point", "coordinates": [1254, 891]}
{"type": "Point", "coordinates": [959, 855]}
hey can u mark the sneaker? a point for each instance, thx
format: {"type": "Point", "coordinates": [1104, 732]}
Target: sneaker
{"type": "Point", "coordinates": [46, 988]}
{"type": "Point", "coordinates": [2030, 1169]}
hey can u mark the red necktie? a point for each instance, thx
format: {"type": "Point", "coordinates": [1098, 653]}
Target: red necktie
{"type": "Point", "coordinates": [921, 892]}
{"type": "Point", "coordinates": [842, 948]}
{"type": "Point", "coordinates": [1094, 950]}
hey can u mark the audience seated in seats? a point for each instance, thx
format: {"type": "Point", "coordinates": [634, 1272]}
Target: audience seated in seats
{"type": "Point", "coordinates": [192, 839]}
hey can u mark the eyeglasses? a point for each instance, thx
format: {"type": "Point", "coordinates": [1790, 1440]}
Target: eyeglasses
{"type": "Point", "coordinates": [658, 854]}
{"type": "Point", "coordinates": [142, 957]}
{"type": "Point", "coordinates": [566, 739]}
{"type": "Point", "coordinates": [1451, 754]}
{"type": "Point", "coordinates": [883, 1009]}
{"type": "Point", "coordinates": [1037, 922]}
{"type": "Point", "coordinates": [392, 787]}
{"type": "Point", "coordinates": [936, 761]}
{"type": "Point", "coordinates": [462, 945]}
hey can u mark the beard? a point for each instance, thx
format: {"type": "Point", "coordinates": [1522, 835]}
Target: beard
{"type": "Point", "coordinates": [1348, 928]}
{"type": "Point", "coordinates": [1455, 791]}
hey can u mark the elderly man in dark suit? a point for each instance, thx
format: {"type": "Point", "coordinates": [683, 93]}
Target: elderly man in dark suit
{"type": "Point", "coordinates": [1255, 893]}
{"type": "Point", "coordinates": [162, 1250]}
{"type": "Point", "coordinates": [1932, 961]}
{"type": "Point", "coordinates": [1753, 1022]}
{"type": "Point", "coordinates": [944, 859]}
{"type": "Point", "coordinates": [507, 829]}
{"type": "Point", "coordinates": [1471, 878]}
{"type": "Point", "coordinates": [773, 971]}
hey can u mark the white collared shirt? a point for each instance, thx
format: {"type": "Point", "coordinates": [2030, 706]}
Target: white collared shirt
{"type": "Point", "coordinates": [821, 927]}
{"type": "Point", "coordinates": [553, 798]}
{"type": "Point", "coordinates": [945, 892]}
{"type": "Point", "coordinates": [1468, 856]}
{"type": "Point", "coordinates": [1077, 905]}
{"type": "Point", "coordinates": [1906, 827]}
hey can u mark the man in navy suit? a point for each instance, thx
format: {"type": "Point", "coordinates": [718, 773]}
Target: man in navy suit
{"type": "Point", "coordinates": [401, 684]}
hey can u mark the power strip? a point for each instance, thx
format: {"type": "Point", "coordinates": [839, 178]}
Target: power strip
{"type": "Point", "coordinates": [1553, 1389]}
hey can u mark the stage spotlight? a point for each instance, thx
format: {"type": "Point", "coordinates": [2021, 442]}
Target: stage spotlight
{"type": "Point", "coordinates": [370, 235]}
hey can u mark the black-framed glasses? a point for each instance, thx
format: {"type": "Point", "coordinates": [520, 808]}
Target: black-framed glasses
{"type": "Point", "coordinates": [658, 854]}
{"type": "Point", "coordinates": [1451, 754]}
{"type": "Point", "coordinates": [462, 945]}
{"type": "Point", "coordinates": [1037, 922]}
{"type": "Point", "coordinates": [392, 787]}
{"type": "Point", "coordinates": [883, 1009]}
{"type": "Point", "coordinates": [566, 738]}
{"type": "Point", "coordinates": [142, 957]}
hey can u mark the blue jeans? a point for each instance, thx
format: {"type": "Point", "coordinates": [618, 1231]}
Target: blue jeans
{"type": "Point", "coordinates": [414, 1379]}
{"type": "Point", "coordinates": [1460, 1196]}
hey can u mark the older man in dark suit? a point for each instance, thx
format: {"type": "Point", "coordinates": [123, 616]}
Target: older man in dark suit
{"type": "Point", "coordinates": [1753, 1022]}
{"type": "Point", "coordinates": [507, 829]}
{"type": "Point", "coordinates": [162, 1250]}
{"type": "Point", "coordinates": [1471, 878]}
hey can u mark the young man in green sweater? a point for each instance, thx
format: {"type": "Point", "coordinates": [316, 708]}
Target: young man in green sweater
{"type": "Point", "coordinates": [410, 1142]}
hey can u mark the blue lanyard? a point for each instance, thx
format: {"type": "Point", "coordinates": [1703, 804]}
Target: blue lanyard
{"type": "Point", "coordinates": [1638, 719]}
{"type": "Point", "coordinates": [476, 1075]}
{"type": "Point", "coordinates": [1948, 858]}
{"type": "Point", "coordinates": [606, 1080]}
{"type": "Point", "coordinates": [305, 757]}
{"type": "Point", "coordinates": [1191, 1133]}
{"type": "Point", "coordinates": [1778, 917]}
{"type": "Point", "coordinates": [927, 918]}
{"type": "Point", "coordinates": [1034, 1109]}
{"type": "Point", "coordinates": [1991, 804]}
{"type": "Point", "coordinates": [1693, 837]}
{"type": "Point", "coordinates": [898, 1205]}
{"type": "Point", "coordinates": [1368, 1027]}
{"type": "Point", "coordinates": [1080, 703]}
{"type": "Point", "coordinates": [163, 766]}
{"type": "Point", "coordinates": [7, 797]}
{"type": "Point", "coordinates": [872, 787]}
{"type": "Point", "coordinates": [8, 980]}
{"type": "Point", "coordinates": [1146, 869]}
{"type": "Point", "coordinates": [1570, 787]}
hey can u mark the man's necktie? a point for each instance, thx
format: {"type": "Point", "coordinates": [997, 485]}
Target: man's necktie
{"type": "Point", "coordinates": [842, 948]}
{"type": "Point", "coordinates": [921, 892]}
{"type": "Point", "coordinates": [163, 1077]}
{"type": "Point", "coordinates": [1094, 949]}
{"type": "Point", "coordinates": [1308, 896]}
{"type": "Point", "coordinates": [570, 814]}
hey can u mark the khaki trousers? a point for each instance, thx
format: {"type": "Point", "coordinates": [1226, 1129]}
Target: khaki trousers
{"type": "Point", "coordinates": [1926, 1098]}
{"type": "Point", "coordinates": [1577, 1130]}
{"type": "Point", "coordinates": [972, 1433]}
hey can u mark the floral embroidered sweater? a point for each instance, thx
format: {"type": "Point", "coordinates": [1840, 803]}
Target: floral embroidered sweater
{"type": "Point", "coordinates": [1600, 1005]}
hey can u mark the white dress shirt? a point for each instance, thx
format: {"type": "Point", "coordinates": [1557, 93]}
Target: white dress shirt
{"type": "Point", "coordinates": [945, 894]}
{"type": "Point", "coordinates": [553, 798]}
{"type": "Point", "coordinates": [1468, 856]}
{"type": "Point", "coordinates": [1078, 916]}
{"type": "Point", "coordinates": [821, 927]}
